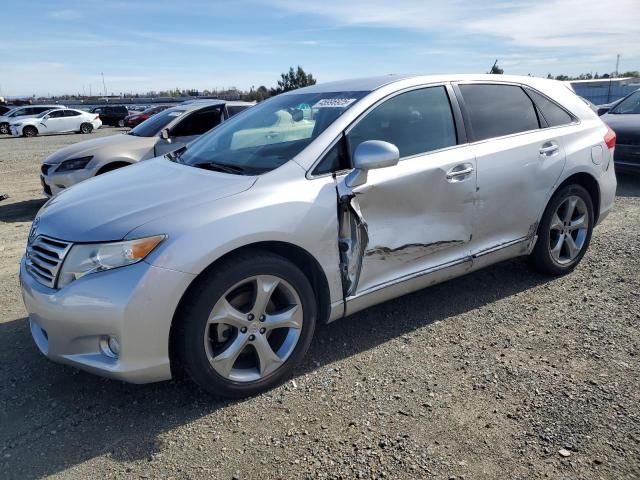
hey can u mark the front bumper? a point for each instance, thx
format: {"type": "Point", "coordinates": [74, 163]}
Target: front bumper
{"type": "Point", "coordinates": [135, 304]}
{"type": "Point", "coordinates": [53, 183]}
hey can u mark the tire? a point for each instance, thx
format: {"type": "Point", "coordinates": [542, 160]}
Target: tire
{"type": "Point", "coordinates": [4, 128]}
{"type": "Point", "coordinates": [86, 128]}
{"type": "Point", "coordinates": [237, 369]}
{"type": "Point", "coordinates": [565, 231]}
{"type": "Point", "coordinates": [29, 131]}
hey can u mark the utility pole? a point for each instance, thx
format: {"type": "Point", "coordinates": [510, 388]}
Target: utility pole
{"type": "Point", "coordinates": [610, 78]}
{"type": "Point", "coordinates": [617, 64]}
{"type": "Point", "coordinates": [103, 84]}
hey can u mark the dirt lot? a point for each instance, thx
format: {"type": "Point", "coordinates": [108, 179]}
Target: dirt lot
{"type": "Point", "coordinates": [487, 376]}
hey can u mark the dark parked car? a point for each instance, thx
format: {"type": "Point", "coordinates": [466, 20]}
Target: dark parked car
{"type": "Point", "coordinates": [136, 118]}
{"type": "Point", "coordinates": [111, 114]}
{"type": "Point", "coordinates": [624, 119]}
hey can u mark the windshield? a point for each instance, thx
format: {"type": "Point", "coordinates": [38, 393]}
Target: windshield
{"type": "Point", "coordinates": [270, 134]}
{"type": "Point", "coordinates": [629, 105]}
{"type": "Point", "coordinates": [153, 125]}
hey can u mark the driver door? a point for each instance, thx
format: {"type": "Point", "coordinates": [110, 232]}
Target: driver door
{"type": "Point", "coordinates": [419, 212]}
{"type": "Point", "coordinates": [53, 122]}
{"type": "Point", "coordinates": [189, 128]}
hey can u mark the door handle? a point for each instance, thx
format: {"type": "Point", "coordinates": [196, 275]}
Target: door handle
{"type": "Point", "coordinates": [459, 171]}
{"type": "Point", "coordinates": [549, 149]}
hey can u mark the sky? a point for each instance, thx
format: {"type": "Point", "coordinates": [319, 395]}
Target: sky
{"type": "Point", "coordinates": [62, 47]}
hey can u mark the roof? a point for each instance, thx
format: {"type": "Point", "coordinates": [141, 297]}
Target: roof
{"type": "Point", "coordinates": [373, 83]}
{"type": "Point", "coordinates": [196, 104]}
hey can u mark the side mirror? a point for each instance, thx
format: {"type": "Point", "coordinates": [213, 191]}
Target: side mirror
{"type": "Point", "coordinates": [164, 134]}
{"type": "Point", "coordinates": [368, 156]}
{"type": "Point", "coordinates": [603, 110]}
{"type": "Point", "coordinates": [46, 117]}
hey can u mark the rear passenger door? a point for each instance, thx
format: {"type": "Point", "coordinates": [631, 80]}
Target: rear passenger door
{"type": "Point", "coordinates": [518, 162]}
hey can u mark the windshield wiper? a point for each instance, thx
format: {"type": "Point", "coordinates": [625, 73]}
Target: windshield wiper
{"type": "Point", "coordinates": [220, 167]}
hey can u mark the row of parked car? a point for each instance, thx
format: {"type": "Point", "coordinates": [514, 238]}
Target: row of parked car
{"type": "Point", "coordinates": [32, 120]}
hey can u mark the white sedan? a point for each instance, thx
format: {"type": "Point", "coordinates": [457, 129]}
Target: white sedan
{"type": "Point", "coordinates": [61, 120]}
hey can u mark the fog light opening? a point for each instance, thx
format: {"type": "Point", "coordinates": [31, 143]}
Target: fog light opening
{"type": "Point", "coordinates": [110, 346]}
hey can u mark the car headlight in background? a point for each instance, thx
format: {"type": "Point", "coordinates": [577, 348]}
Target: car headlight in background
{"type": "Point", "coordinates": [87, 258]}
{"type": "Point", "coordinates": [74, 164]}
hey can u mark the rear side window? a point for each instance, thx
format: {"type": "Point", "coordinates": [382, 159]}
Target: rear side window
{"type": "Point", "coordinates": [40, 109]}
{"type": "Point", "coordinates": [416, 122]}
{"type": "Point", "coordinates": [497, 110]}
{"type": "Point", "coordinates": [552, 113]}
{"type": "Point", "coordinates": [198, 122]}
{"type": "Point", "coordinates": [235, 109]}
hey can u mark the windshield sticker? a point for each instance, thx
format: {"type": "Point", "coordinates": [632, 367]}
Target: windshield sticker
{"type": "Point", "coordinates": [334, 102]}
{"type": "Point", "coordinates": [174, 114]}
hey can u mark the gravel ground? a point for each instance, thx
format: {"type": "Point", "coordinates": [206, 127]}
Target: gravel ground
{"type": "Point", "coordinates": [501, 374]}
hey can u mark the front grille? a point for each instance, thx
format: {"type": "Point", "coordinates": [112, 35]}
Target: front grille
{"type": "Point", "coordinates": [45, 168]}
{"type": "Point", "coordinates": [44, 258]}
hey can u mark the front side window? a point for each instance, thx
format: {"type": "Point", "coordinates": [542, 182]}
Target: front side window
{"type": "Point", "coordinates": [152, 126]}
{"type": "Point", "coordinates": [498, 110]}
{"type": "Point", "coordinates": [37, 110]}
{"type": "Point", "coordinates": [269, 134]}
{"type": "Point", "coordinates": [416, 122]}
{"type": "Point", "coordinates": [71, 113]}
{"type": "Point", "coordinates": [630, 105]}
{"type": "Point", "coordinates": [552, 113]}
{"type": "Point", "coordinates": [198, 122]}
{"type": "Point", "coordinates": [20, 112]}
{"type": "Point", "coordinates": [56, 114]}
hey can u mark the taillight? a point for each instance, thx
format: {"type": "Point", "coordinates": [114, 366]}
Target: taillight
{"type": "Point", "coordinates": [610, 138]}
{"type": "Point", "coordinates": [97, 117]}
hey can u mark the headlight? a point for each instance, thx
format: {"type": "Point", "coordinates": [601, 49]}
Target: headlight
{"type": "Point", "coordinates": [74, 164]}
{"type": "Point", "coordinates": [87, 258]}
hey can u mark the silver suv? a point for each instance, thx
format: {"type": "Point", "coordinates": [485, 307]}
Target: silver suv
{"type": "Point", "coordinates": [220, 259]}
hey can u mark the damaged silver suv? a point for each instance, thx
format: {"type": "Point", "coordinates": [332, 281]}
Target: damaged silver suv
{"type": "Point", "coordinates": [220, 258]}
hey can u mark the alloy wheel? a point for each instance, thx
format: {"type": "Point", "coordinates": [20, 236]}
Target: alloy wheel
{"type": "Point", "coordinates": [568, 230]}
{"type": "Point", "coordinates": [253, 328]}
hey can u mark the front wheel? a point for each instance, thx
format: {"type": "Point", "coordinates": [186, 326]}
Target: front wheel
{"type": "Point", "coordinates": [4, 128]}
{"type": "Point", "coordinates": [564, 232]}
{"type": "Point", "coordinates": [29, 131]}
{"type": "Point", "coordinates": [246, 324]}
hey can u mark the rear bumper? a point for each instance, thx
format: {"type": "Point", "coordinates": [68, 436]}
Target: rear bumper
{"type": "Point", "coordinates": [134, 304]}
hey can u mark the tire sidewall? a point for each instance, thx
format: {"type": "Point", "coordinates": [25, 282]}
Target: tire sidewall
{"type": "Point", "coordinates": [87, 126]}
{"type": "Point", "coordinates": [542, 245]}
{"type": "Point", "coordinates": [33, 130]}
{"type": "Point", "coordinates": [211, 290]}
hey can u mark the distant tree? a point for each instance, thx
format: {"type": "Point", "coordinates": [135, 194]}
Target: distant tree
{"type": "Point", "coordinates": [496, 70]}
{"type": "Point", "coordinates": [294, 79]}
{"type": "Point", "coordinates": [632, 73]}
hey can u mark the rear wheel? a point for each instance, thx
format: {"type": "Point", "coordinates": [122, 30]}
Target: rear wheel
{"type": "Point", "coordinates": [29, 131]}
{"type": "Point", "coordinates": [246, 325]}
{"type": "Point", "coordinates": [86, 128]}
{"type": "Point", "coordinates": [564, 232]}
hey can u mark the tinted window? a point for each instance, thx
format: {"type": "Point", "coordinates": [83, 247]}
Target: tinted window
{"type": "Point", "coordinates": [71, 113]}
{"type": "Point", "coordinates": [40, 110]}
{"type": "Point", "coordinates": [198, 122]}
{"type": "Point", "coordinates": [335, 160]}
{"type": "Point", "coordinates": [97, 110]}
{"type": "Point", "coordinates": [236, 109]}
{"type": "Point", "coordinates": [22, 111]}
{"type": "Point", "coordinates": [56, 114]}
{"type": "Point", "coordinates": [497, 110]}
{"type": "Point", "coordinates": [416, 122]}
{"type": "Point", "coordinates": [552, 113]}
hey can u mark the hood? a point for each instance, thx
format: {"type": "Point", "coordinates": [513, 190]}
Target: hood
{"type": "Point", "coordinates": [626, 126]}
{"type": "Point", "coordinates": [114, 144]}
{"type": "Point", "coordinates": [109, 206]}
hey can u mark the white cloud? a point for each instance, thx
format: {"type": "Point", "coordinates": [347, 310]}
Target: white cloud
{"type": "Point", "coordinates": [65, 15]}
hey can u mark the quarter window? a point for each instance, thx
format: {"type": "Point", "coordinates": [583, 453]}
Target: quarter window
{"type": "Point", "coordinates": [552, 113]}
{"type": "Point", "coordinates": [497, 110]}
{"type": "Point", "coordinates": [416, 122]}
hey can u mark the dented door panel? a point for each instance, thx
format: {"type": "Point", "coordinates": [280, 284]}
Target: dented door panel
{"type": "Point", "coordinates": [411, 216]}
